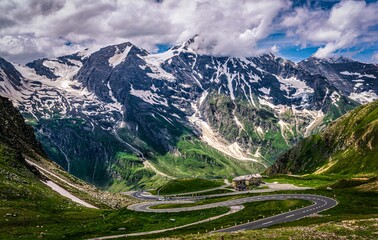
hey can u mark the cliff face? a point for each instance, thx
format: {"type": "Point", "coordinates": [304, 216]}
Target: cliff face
{"type": "Point", "coordinates": [15, 133]}
{"type": "Point", "coordinates": [348, 146]}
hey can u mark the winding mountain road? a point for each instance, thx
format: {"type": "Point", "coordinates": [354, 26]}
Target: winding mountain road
{"type": "Point", "coordinates": [320, 203]}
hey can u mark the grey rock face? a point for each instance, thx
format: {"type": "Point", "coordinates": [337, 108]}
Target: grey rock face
{"type": "Point", "coordinates": [351, 78]}
{"type": "Point", "coordinates": [10, 78]}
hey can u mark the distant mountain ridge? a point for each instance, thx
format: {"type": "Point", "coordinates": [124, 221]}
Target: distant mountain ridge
{"type": "Point", "coordinates": [94, 111]}
{"type": "Point", "coordinates": [354, 79]}
{"type": "Point", "coordinates": [349, 146]}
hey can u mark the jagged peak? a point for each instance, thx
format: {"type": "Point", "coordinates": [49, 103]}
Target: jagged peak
{"type": "Point", "coordinates": [124, 45]}
{"type": "Point", "coordinates": [120, 47]}
{"type": "Point", "coordinates": [270, 56]}
{"type": "Point", "coordinates": [5, 61]}
{"type": "Point", "coordinates": [332, 60]}
{"type": "Point", "coordinates": [185, 46]}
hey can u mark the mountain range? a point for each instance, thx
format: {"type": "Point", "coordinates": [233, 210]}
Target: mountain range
{"type": "Point", "coordinates": [121, 117]}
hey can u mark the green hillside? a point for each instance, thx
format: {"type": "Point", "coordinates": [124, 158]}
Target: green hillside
{"type": "Point", "coordinates": [195, 159]}
{"type": "Point", "coordinates": [188, 185]}
{"type": "Point", "coordinates": [349, 146]}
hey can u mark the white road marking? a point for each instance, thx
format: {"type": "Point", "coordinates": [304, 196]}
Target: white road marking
{"type": "Point", "coordinates": [267, 222]}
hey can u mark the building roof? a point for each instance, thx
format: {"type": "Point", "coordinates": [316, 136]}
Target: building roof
{"type": "Point", "coordinates": [246, 177]}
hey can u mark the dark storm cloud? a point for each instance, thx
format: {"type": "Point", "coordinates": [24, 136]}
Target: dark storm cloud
{"type": "Point", "coordinates": [6, 22]}
{"type": "Point", "coordinates": [45, 7]}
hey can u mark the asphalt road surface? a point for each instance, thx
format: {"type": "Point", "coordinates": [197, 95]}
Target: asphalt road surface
{"type": "Point", "coordinates": [320, 203]}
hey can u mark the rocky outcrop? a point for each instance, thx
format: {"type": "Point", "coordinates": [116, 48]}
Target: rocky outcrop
{"type": "Point", "coordinates": [15, 133]}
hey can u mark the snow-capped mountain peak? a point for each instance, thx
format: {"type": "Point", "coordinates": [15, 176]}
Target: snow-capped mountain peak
{"type": "Point", "coordinates": [145, 103]}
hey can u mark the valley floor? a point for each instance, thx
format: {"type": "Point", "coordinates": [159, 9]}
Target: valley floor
{"type": "Point", "coordinates": [356, 211]}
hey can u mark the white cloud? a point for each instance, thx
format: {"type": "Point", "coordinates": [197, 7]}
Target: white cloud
{"type": "Point", "coordinates": [31, 29]}
{"type": "Point", "coordinates": [344, 26]}
{"type": "Point", "coordinates": [226, 28]}
{"type": "Point", "coordinates": [275, 49]}
{"type": "Point", "coordinates": [223, 27]}
{"type": "Point", "coordinates": [375, 56]}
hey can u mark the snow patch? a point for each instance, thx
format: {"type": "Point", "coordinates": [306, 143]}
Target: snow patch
{"type": "Point", "coordinates": [265, 90]}
{"type": "Point", "coordinates": [359, 75]}
{"type": "Point", "coordinates": [293, 83]}
{"type": "Point", "coordinates": [153, 88]}
{"type": "Point", "coordinates": [149, 97]}
{"type": "Point", "coordinates": [67, 194]}
{"type": "Point", "coordinates": [266, 103]}
{"type": "Point", "coordinates": [240, 125]}
{"type": "Point", "coordinates": [62, 95]}
{"type": "Point", "coordinates": [260, 131]}
{"type": "Point", "coordinates": [364, 97]}
{"type": "Point", "coordinates": [62, 70]}
{"type": "Point", "coordinates": [8, 89]}
{"type": "Point", "coordinates": [115, 104]}
{"type": "Point", "coordinates": [357, 85]}
{"type": "Point", "coordinates": [203, 97]}
{"type": "Point", "coordinates": [283, 128]}
{"type": "Point", "coordinates": [87, 52]}
{"type": "Point", "coordinates": [318, 117]}
{"type": "Point", "coordinates": [335, 98]}
{"type": "Point", "coordinates": [119, 56]}
{"type": "Point", "coordinates": [154, 62]}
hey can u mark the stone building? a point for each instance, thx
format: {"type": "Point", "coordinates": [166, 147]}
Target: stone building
{"type": "Point", "coordinates": [242, 183]}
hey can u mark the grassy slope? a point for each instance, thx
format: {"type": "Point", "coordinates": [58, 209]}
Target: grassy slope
{"type": "Point", "coordinates": [187, 185]}
{"type": "Point", "coordinates": [348, 146]}
{"type": "Point", "coordinates": [41, 212]}
{"type": "Point", "coordinates": [129, 171]}
{"type": "Point", "coordinates": [26, 201]}
{"type": "Point", "coordinates": [192, 159]}
{"type": "Point", "coordinates": [216, 191]}
{"type": "Point", "coordinates": [195, 159]}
